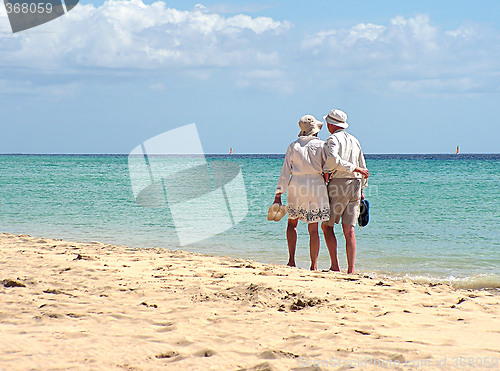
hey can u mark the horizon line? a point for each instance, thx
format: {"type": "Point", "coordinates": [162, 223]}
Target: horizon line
{"type": "Point", "coordinates": [236, 154]}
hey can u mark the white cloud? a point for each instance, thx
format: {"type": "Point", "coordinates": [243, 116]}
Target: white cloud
{"type": "Point", "coordinates": [28, 88]}
{"type": "Point", "coordinates": [157, 87]}
{"type": "Point", "coordinates": [406, 55]}
{"type": "Point", "coordinates": [409, 55]}
{"type": "Point", "coordinates": [416, 32]}
{"type": "Point", "coordinates": [238, 8]}
{"type": "Point", "coordinates": [131, 34]}
{"type": "Point", "coordinates": [403, 37]}
{"type": "Point", "coordinates": [275, 80]}
{"type": "Point", "coordinates": [435, 86]}
{"type": "Point", "coordinates": [368, 32]}
{"type": "Point", "coordinates": [470, 31]}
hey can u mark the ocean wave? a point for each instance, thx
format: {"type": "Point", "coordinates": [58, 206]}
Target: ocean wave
{"type": "Point", "coordinates": [474, 282]}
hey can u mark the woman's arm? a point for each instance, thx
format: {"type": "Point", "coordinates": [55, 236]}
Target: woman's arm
{"type": "Point", "coordinates": [277, 199]}
{"type": "Point", "coordinates": [286, 171]}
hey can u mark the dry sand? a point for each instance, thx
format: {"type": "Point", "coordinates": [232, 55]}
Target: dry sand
{"type": "Point", "coordinates": [69, 305]}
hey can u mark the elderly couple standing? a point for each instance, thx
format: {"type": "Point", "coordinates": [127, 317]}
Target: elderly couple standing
{"type": "Point", "coordinates": [324, 183]}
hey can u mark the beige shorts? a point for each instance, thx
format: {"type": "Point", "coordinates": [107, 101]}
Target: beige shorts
{"type": "Point", "coordinates": [344, 195]}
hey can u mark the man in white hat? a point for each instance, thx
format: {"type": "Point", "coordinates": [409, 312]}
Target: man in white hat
{"type": "Point", "coordinates": [346, 173]}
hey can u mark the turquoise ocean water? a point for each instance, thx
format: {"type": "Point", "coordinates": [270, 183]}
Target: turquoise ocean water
{"type": "Point", "coordinates": [432, 217]}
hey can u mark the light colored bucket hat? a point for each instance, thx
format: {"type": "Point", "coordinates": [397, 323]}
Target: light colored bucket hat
{"type": "Point", "coordinates": [309, 125]}
{"type": "Point", "coordinates": [337, 117]}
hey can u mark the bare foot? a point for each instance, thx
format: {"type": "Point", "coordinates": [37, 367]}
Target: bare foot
{"type": "Point", "coordinates": [314, 268]}
{"type": "Point", "coordinates": [335, 269]}
{"type": "Point", "coordinates": [291, 264]}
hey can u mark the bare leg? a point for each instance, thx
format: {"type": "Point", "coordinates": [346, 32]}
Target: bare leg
{"type": "Point", "coordinates": [331, 243]}
{"type": "Point", "coordinates": [350, 246]}
{"type": "Point", "coordinates": [291, 239]}
{"type": "Point", "coordinates": [313, 245]}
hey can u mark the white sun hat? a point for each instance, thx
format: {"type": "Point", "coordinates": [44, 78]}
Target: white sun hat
{"type": "Point", "coordinates": [337, 117]}
{"type": "Point", "coordinates": [309, 125]}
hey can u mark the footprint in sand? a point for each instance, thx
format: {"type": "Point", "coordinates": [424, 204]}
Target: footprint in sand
{"type": "Point", "coordinates": [169, 354]}
{"type": "Point", "coordinates": [12, 283]}
{"type": "Point", "coordinates": [205, 353]}
{"type": "Point", "coordinates": [275, 354]}
{"type": "Point", "coordinates": [218, 275]}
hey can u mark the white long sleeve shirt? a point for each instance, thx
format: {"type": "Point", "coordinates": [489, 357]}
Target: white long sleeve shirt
{"type": "Point", "coordinates": [305, 156]}
{"type": "Point", "coordinates": [343, 155]}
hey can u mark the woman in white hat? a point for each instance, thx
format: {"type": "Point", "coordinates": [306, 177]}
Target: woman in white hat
{"type": "Point", "coordinates": [307, 196]}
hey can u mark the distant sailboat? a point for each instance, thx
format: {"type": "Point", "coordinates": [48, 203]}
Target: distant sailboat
{"type": "Point", "coordinates": [231, 150]}
{"type": "Point", "coordinates": [458, 149]}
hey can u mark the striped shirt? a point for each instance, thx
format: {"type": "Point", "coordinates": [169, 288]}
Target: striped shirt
{"type": "Point", "coordinates": [344, 154]}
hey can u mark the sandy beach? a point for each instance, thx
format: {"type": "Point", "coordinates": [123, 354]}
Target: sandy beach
{"type": "Point", "coordinates": [71, 305]}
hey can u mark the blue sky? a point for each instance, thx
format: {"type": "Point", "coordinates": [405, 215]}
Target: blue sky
{"type": "Point", "coordinates": [413, 76]}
